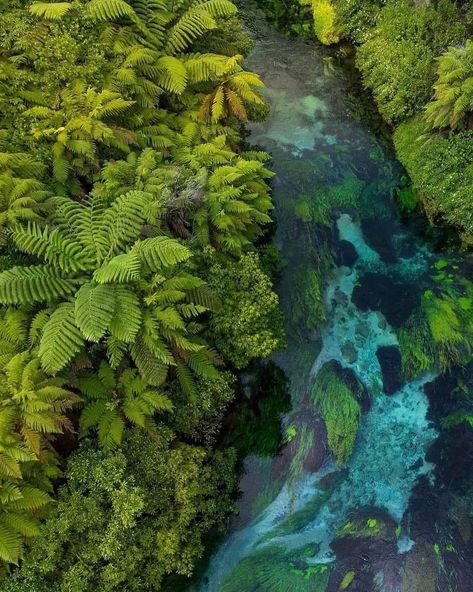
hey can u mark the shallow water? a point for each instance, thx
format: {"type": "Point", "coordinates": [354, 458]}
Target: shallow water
{"type": "Point", "coordinates": [305, 521]}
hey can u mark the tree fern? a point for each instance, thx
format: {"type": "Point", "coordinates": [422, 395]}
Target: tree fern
{"type": "Point", "coordinates": [50, 10]}
{"type": "Point", "coordinates": [114, 400]}
{"type": "Point", "coordinates": [105, 10]}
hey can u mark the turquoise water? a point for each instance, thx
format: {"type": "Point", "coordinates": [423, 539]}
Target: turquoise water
{"type": "Point", "coordinates": [307, 522]}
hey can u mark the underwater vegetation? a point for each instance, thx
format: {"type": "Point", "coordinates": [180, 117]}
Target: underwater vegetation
{"type": "Point", "coordinates": [439, 334]}
{"type": "Point", "coordinates": [275, 570]}
{"type": "Point", "coordinates": [340, 410]}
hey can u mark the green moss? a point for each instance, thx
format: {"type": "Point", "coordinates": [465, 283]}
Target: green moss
{"type": "Point", "coordinates": [340, 410]}
{"type": "Point", "coordinates": [441, 169]}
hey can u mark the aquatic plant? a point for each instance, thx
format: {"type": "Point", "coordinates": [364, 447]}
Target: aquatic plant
{"type": "Point", "coordinates": [440, 333]}
{"type": "Point", "coordinates": [297, 520]}
{"type": "Point", "coordinates": [305, 443]}
{"type": "Point", "coordinates": [307, 308]}
{"type": "Point", "coordinates": [347, 580]}
{"type": "Point", "coordinates": [274, 570]}
{"type": "Point", "coordinates": [340, 410]}
{"type": "Point", "coordinates": [361, 528]}
{"type": "Point", "coordinates": [417, 350]}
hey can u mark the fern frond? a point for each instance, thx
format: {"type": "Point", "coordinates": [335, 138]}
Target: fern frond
{"type": "Point", "coordinates": [61, 339]}
{"type": "Point", "coordinates": [38, 283]}
{"type": "Point", "coordinates": [50, 10]}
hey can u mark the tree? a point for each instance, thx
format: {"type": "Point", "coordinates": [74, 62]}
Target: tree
{"type": "Point", "coordinates": [113, 400]}
{"type": "Point", "coordinates": [127, 518]}
{"type": "Point", "coordinates": [249, 324]}
{"type": "Point", "coordinates": [102, 283]}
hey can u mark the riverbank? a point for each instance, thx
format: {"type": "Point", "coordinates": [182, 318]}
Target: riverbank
{"type": "Point", "coordinates": [350, 500]}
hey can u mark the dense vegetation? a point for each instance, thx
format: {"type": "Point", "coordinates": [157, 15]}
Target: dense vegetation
{"type": "Point", "coordinates": [129, 215]}
{"type": "Point", "coordinates": [416, 59]}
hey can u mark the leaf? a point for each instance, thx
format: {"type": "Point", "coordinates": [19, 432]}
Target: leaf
{"type": "Point", "coordinates": [50, 10]}
{"type": "Point", "coordinates": [38, 283]}
{"type": "Point", "coordinates": [107, 10]}
{"type": "Point", "coordinates": [122, 268]}
{"type": "Point", "coordinates": [94, 309]}
{"type": "Point", "coordinates": [151, 369]}
{"type": "Point", "coordinates": [161, 251]}
{"type": "Point", "coordinates": [127, 317]}
{"type": "Point", "coordinates": [61, 339]}
{"type": "Point", "coordinates": [10, 544]}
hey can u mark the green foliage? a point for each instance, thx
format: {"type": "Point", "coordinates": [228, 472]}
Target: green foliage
{"type": "Point", "coordinates": [200, 417]}
{"type": "Point", "coordinates": [33, 409]}
{"type": "Point", "coordinates": [453, 103]}
{"type": "Point", "coordinates": [129, 297]}
{"type": "Point", "coordinates": [397, 60]}
{"type": "Point", "coordinates": [249, 325]}
{"type": "Point", "coordinates": [127, 518]}
{"type": "Point", "coordinates": [121, 161]}
{"type": "Point", "coordinates": [441, 171]}
{"type": "Point", "coordinates": [273, 570]}
{"type": "Point", "coordinates": [113, 400]}
{"type": "Point", "coordinates": [340, 410]}
{"type": "Point", "coordinates": [256, 420]}
{"type": "Point", "coordinates": [325, 25]}
{"type": "Point", "coordinates": [357, 17]}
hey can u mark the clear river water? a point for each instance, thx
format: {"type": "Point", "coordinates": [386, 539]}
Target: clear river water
{"type": "Point", "coordinates": [376, 521]}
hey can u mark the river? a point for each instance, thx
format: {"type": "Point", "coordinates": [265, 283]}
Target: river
{"type": "Point", "coordinates": [308, 522]}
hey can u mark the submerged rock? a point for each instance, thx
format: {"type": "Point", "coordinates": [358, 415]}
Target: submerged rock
{"type": "Point", "coordinates": [346, 254]}
{"type": "Point", "coordinates": [378, 233]}
{"type": "Point", "coordinates": [391, 366]}
{"type": "Point", "coordinates": [349, 352]}
{"type": "Point", "coordinates": [395, 300]}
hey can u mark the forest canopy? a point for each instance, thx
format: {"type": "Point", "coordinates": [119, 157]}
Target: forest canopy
{"type": "Point", "coordinates": [129, 214]}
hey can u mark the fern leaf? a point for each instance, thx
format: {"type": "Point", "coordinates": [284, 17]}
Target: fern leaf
{"type": "Point", "coordinates": [10, 544]}
{"type": "Point", "coordinates": [122, 268]}
{"type": "Point", "coordinates": [61, 339]}
{"type": "Point", "coordinates": [109, 10]}
{"type": "Point", "coordinates": [126, 321]}
{"type": "Point", "coordinates": [151, 369]}
{"type": "Point", "coordinates": [38, 283]}
{"type": "Point", "coordinates": [50, 10]}
{"type": "Point", "coordinates": [161, 251]}
{"type": "Point", "coordinates": [94, 309]}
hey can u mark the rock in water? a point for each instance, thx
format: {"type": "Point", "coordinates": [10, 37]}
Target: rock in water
{"type": "Point", "coordinates": [390, 361]}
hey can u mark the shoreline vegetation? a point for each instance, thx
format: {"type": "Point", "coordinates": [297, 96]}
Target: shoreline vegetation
{"type": "Point", "coordinates": [136, 283]}
{"type": "Point", "coordinates": [416, 59]}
